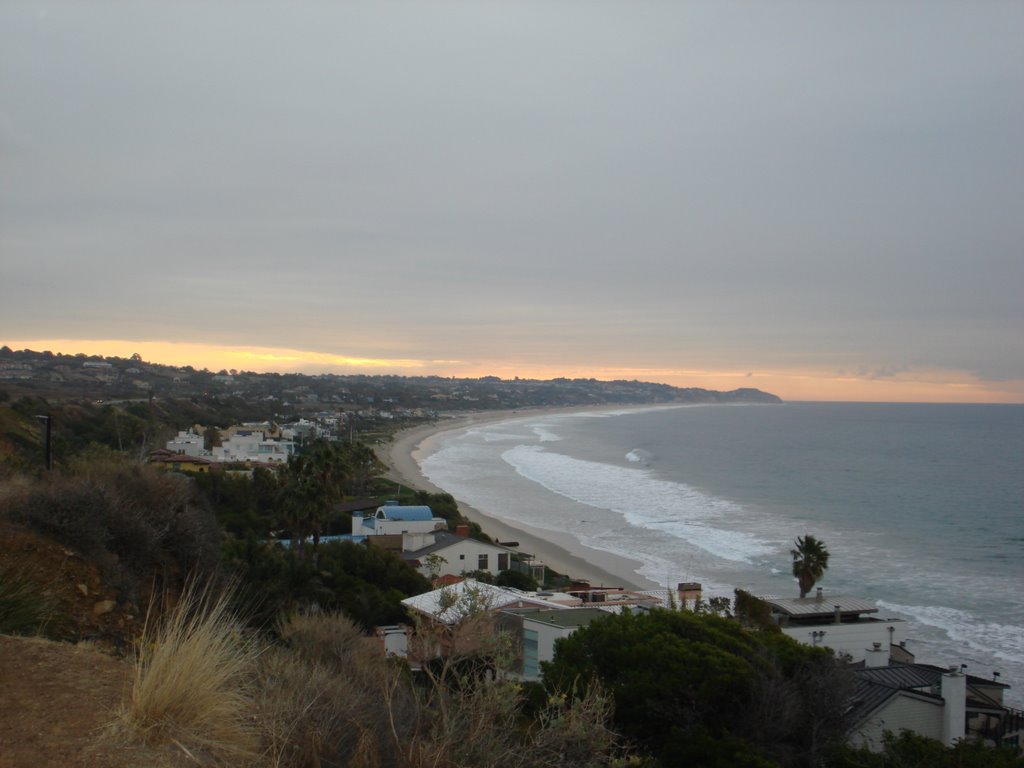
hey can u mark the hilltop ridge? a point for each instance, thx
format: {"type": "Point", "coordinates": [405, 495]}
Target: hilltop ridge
{"type": "Point", "coordinates": [76, 376]}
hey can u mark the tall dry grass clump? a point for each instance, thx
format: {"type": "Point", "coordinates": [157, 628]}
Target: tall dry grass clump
{"type": "Point", "coordinates": [194, 680]}
{"type": "Point", "coordinates": [326, 699]}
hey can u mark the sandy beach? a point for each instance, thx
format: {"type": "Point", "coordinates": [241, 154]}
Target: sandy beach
{"type": "Point", "coordinates": [560, 552]}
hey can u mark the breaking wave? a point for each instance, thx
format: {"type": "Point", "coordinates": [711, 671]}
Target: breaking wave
{"type": "Point", "coordinates": [643, 500]}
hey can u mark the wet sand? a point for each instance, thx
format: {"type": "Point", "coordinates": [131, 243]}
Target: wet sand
{"type": "Point", "coordinates": [559, 551]}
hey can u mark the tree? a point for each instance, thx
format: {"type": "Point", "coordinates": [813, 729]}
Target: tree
{"type": "Point", "coordinates": [304, 502]}
{"type": "Point", "coordinates": [696, 689]}
{"type": "Point", "coordinates": [810, 559]}
{"type": "Point", "coordinates": [211, 438]}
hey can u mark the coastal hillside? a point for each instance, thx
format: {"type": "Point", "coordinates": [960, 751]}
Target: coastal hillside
{"type": "Point", "coordinates": [57, 376]}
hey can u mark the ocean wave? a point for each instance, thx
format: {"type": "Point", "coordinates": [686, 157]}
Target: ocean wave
{"type": "Point", "coordinates": [643, 500]}
{"type": "Point", "coordinates": [1002, 641]}
{"type": "Point", "coordinates": [639, 456]}
{"type": "Point", "coordinates": [627, 411]}
{"type": "Point", "coordinates": [544, 434]}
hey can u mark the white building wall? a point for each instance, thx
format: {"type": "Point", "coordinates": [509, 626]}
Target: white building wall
{"type": "Point", "coordinates": [954, 716]}
{"type": "Point", "coordinates": [253, 447]}
{"type": "Point", "coordinates": [464, 556]}
{"type": "Point", "coordinates": [392, 527]}
{"type": "Point", "coordinates": [187, 443]}
{"type": "Point", "coordinates": [852, 639]}
{"type": "Point", "coordinates": [546, 636]}
{"type": "Point", "coordinates": [904, 712]}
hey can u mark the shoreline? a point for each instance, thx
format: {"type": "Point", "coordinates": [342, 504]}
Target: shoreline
{"type": "Point", "coordinates": [559, 551]}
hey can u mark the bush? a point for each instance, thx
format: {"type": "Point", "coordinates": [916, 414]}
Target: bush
{"type": "Point", "coordinates": [692, 687]}
{"type": "Point", "coordinates": [25, 609]}
{"type": "Point", "coordinates": [133, 521]}
{"type": "Point", "coordinates": [326, 700]}
{"type": "Point", "coordinates": [366, 583]}
{"type": "Point", "coordinates": [193, 683]}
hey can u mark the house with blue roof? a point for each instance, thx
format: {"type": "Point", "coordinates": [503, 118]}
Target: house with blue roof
{"type": "Point", "coordinates": [392, 519]}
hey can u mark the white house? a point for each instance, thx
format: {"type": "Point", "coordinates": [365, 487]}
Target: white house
{"type": "Point", "coordinates": [187, 443]}
{"type": "Point", "coordinates": [440, 553]}
{"type": "Point", "coordinates": [535, 631]}
{"type": "Point", "coordinates": [253, 446]}
{"type": "Point", "coordinates": [450, 604]}
{"type": "Point", "coordinates": [844, 624]}
{"type": "Point", "coordinates": [942, 704]}
{"type": "Point", "coordinates": [392, 519]}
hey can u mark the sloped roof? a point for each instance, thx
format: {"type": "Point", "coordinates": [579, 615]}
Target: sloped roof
{"type": "Point", "coordinates": [357, 505]}
{"type": "Point", "coordinates": [450, 603]}
{"type": "Point", "coordinates": [897, 675]}
{"type": "Point", "coordinates": [876, 685]}
{"type": "Point", "coordinates": [443, 540]}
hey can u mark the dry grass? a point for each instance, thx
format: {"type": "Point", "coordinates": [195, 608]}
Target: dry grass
{"type": "Point", "coordinates": [193, 684]}
{"type": "Point", "coordinates": [321, 697]}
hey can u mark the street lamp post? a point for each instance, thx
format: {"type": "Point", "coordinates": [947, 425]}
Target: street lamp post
{"type": "Point", "coordinates": [49, 441]}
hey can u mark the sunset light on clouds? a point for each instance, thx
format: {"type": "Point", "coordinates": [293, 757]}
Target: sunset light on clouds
{"type": "Point", "coordinates": [817, 199]}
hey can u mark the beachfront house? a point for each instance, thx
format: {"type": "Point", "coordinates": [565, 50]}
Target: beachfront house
{"type": "Point", "coordinates": [535, 630]}
{"type": "Point", "coordinates": [943, 704]}
{"type": "Point", "coordinates": [440, 553]}
{"type": "Point", "coordinates": [847, 625]}
{"type": "Point", "coordinates": [459, 618]}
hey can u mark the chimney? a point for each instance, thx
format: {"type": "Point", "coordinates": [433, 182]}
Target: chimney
{"type": "Point", "coordinates": [462, 530]}
{"type": "Point", "coordinates": [819, 595]}
{"type": "Point", "coordinates": [876, 656]}
{"type": "Point", "coordinates": [954, 711]}
{"type": "Point", "coordinates": [688, 591]}
{"type": "Point", "coordinates": [838, 615]}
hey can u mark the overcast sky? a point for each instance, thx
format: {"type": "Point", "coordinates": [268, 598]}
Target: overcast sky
{"type": "Point", "coordinates": [822, 199]}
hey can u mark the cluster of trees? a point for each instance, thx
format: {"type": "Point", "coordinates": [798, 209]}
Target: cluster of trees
{"type": "Point", "coordinates": [699, 689]}
{"type": "Point", "coordinates": [297, 498]}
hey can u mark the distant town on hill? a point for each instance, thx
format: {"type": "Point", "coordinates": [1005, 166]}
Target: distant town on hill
{"type": "Point", "coordinates": [58, 377]}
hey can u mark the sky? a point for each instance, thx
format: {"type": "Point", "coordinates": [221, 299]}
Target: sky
{"type": "Point", "coordinates": [824, 200]}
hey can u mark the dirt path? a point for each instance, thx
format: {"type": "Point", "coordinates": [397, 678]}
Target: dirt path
{"type": "Point", "coordinates": [54, 697]}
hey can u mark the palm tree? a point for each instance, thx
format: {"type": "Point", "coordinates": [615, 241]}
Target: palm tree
{"type": "Point", "coordinates": [305, 499]}
{"type": "Point", "coordinates": [810, 559]}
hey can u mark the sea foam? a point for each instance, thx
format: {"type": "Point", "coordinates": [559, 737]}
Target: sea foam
{"type": "Point", "coordinates": [643, 500]}
{"type": "Point", "coordinates": [1002, 641]}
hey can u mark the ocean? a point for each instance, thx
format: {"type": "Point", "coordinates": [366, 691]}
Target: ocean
{"type": "Point", "coordinates": [921, 506]}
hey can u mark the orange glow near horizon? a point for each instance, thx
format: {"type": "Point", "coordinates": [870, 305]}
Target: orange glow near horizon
{"type": "Point", "coordinates": [921, 385]}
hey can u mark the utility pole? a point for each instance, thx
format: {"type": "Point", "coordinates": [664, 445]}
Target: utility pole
{"type": "Point", "coordinates": [49, 440]}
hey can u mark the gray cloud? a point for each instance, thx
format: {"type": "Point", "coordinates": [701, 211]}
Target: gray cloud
{"type": "Point", "coordinates": [635, 183]}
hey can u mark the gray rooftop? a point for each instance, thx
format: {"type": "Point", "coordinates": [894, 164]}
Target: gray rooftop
{"type": "Point", "coordinates": [810, 607]}
{"type": "Point", "coordinates": [574, 617]}
{"type": "Point", "coordinates": [445, 539]}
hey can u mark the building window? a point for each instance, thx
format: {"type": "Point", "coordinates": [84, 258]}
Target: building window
{"type": "Point", "coordinates": [462, 557]}
{"type": "Point", "coordinates": [482, 563]}
{"type": "Point", "coordinates": [503, 561]}
{"type": "Point", "coordinates": [531, 665]}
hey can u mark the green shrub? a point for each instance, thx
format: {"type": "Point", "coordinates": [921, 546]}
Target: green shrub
{"type": "Point", "coordinates": [25, 609]}
{"type": "Point", "coordinates": [132, 521]}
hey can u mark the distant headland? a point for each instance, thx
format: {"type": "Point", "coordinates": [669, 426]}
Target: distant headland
{"type": "Point", "coordinates": [58, 376]}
